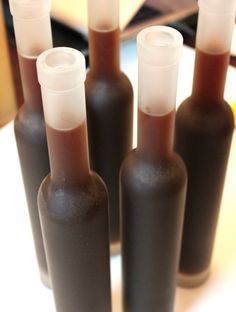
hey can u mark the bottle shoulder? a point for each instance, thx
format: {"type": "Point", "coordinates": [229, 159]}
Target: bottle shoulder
{"type": "Point", "coordinates": [73, 203]}
{"type": "Point", "coordinates": [30, 125]}
{"type": "Point", "coordinates": [159, 177]}
{"type": "Point", "coordinates": [211, 119]}
{"type": "Point", "coordinates": [110, 90]}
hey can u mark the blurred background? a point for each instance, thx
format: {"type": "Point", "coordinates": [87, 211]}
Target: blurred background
{"type": "Point", "coordinates": [69, 26]}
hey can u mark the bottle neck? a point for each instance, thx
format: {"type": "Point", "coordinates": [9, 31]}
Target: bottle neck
{"type": "Point", "coordinates": [214, 33]}
{"type": "Point", "coordinates": [104, 52]}
{"type": "Point", "coordinates": [68, 155]}
{"type": "Point", "coordinates": [209, 78]}
{"type": "Point", "coordinates": [155, 136]}
{"type": "Point", "coordinates": [30, 84]}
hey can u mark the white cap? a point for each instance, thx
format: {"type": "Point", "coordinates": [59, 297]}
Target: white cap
{"type": "Point", "coordinates": [159, 45]}
{"type": "Point", "coordinates": [61, 74]}
{"type": "Point", "coordinates": [159, 52]}
{"type": "Point", "coordinates": [215, 25]}
{"type": "Point", "coordinates": [32, 26]}
{"type": "Point", "coordinates": [61, 68]}
{"type": "Point", "coordinates": [218, 6]}
{"type": "Point", "coordinates": [28, 9]}
{"type": "Point", "coordinates": [103, 15]}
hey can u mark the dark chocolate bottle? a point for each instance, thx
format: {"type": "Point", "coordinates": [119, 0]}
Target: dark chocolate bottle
{"type": "Point", "coordinates": [29, 22]}
{"type": "Point", "coordinates": [153, 181]}
{"type": "Point", "coordinates": [204, 127]}
{"type": "Point", "coordinates": [109, 100]}
{"type": "Point", "coordinates": [73, 201]}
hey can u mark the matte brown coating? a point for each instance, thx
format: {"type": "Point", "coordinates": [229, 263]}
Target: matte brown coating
{"type": "Point", "coordinates": [204, 128]}
{"type": "Point", "coordinates": [32, 150]}
{"type": "Point", "coordinates": [109, 99]}
{"type": "Point", "coordinates": [73, 207]}
{"type": "Point", "coordinates": [153, 188]}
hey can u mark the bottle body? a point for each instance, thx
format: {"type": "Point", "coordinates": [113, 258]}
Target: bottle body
{"type": "Point", "coordinates": [110, 131]}
{"type": "Point", "coordinates": [31, 20]}
{"type": "Point", "coordinates": [204, 128]}
{"type": "Point", "coordinates": [32, 148]}
{"type": "Point", "coordinates": [72, 200]}
{"type": "Point", "coordinates": [75, 227]}
{"type": "Point", "coordinates": [152, 209]}
{"type": "Point", "coordinates": [30, 135]}
{"type": "Point", "coordinates": [203, 139]}
{"type": "Point", "coordinates": [153, 180]}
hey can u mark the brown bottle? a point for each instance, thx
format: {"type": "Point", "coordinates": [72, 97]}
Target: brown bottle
{"type": "Point", "coordinates": [109, 100]}
{"type": "Point", "coordinates": [153, 181]}
{"type": "Point", "coordinates": [33, 35]}
{"type": "Point", "coordinates": [73, 201]}
{"type": "Point", "coordinates": [204, 127]}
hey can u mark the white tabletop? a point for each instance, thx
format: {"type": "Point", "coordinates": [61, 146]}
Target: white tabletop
{"type": "Point", "coordinates": [21, 289]}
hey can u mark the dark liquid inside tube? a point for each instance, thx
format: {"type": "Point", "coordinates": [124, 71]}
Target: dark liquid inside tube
{"type": "Point", "coordinates": [33, 152]}
{"type": "Point", "coordinates": [104, 46]}
{"type": "Point", "coordinates": [109, 98]}
{"type": "Point", "coordinates": [153, 184]}
{"type": "Point", "coordinates": [70, 149]}
{"type": "Point", "coordinates": [204, 127]}
{"type": "Point", "coordinates": [74, 215]}
{"type": "Point", "coordinates": [158, 129]}
{"type": "Point", "coordinates": [31, 87]}
{"type": "Point", "coordinates": [209, 84]}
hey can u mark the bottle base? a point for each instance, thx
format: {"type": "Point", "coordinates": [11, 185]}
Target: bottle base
{"type": "Point", "coordinates": [115, 249]}
{"type": "Point", "coordinates": [191, 281]}
{"type": "Point", "coordinates": [45, 279]}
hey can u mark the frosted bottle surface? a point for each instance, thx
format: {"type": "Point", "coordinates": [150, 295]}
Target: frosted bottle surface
{"type": "Point", "coordinates": [73, 201]}
{"type": "Point", "coordinates": [30, 22]}
{"type": "Point", "coordinates": [153, 182]}
{"type": "Point", "coordinates": [204, 128]}
{"type": "Point", "coordinates": [109, 98]}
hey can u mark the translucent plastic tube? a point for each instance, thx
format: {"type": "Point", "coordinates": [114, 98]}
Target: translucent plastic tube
{"type": "Point", "coordinates": [32, 26]}
{"type": "Point", "coordinates": [103, 14]}
{"type": "Point", "coordinates": [33, 36]}
{"type": "Point", "coordinates": [215, 25]}
{"type": "Point", "coordinates": [159, 51]}
{"type": "Point", "coordinates": [61, 73]}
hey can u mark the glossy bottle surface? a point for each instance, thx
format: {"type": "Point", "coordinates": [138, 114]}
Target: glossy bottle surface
{"type": "Point", "coordinates": [109, 98]}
